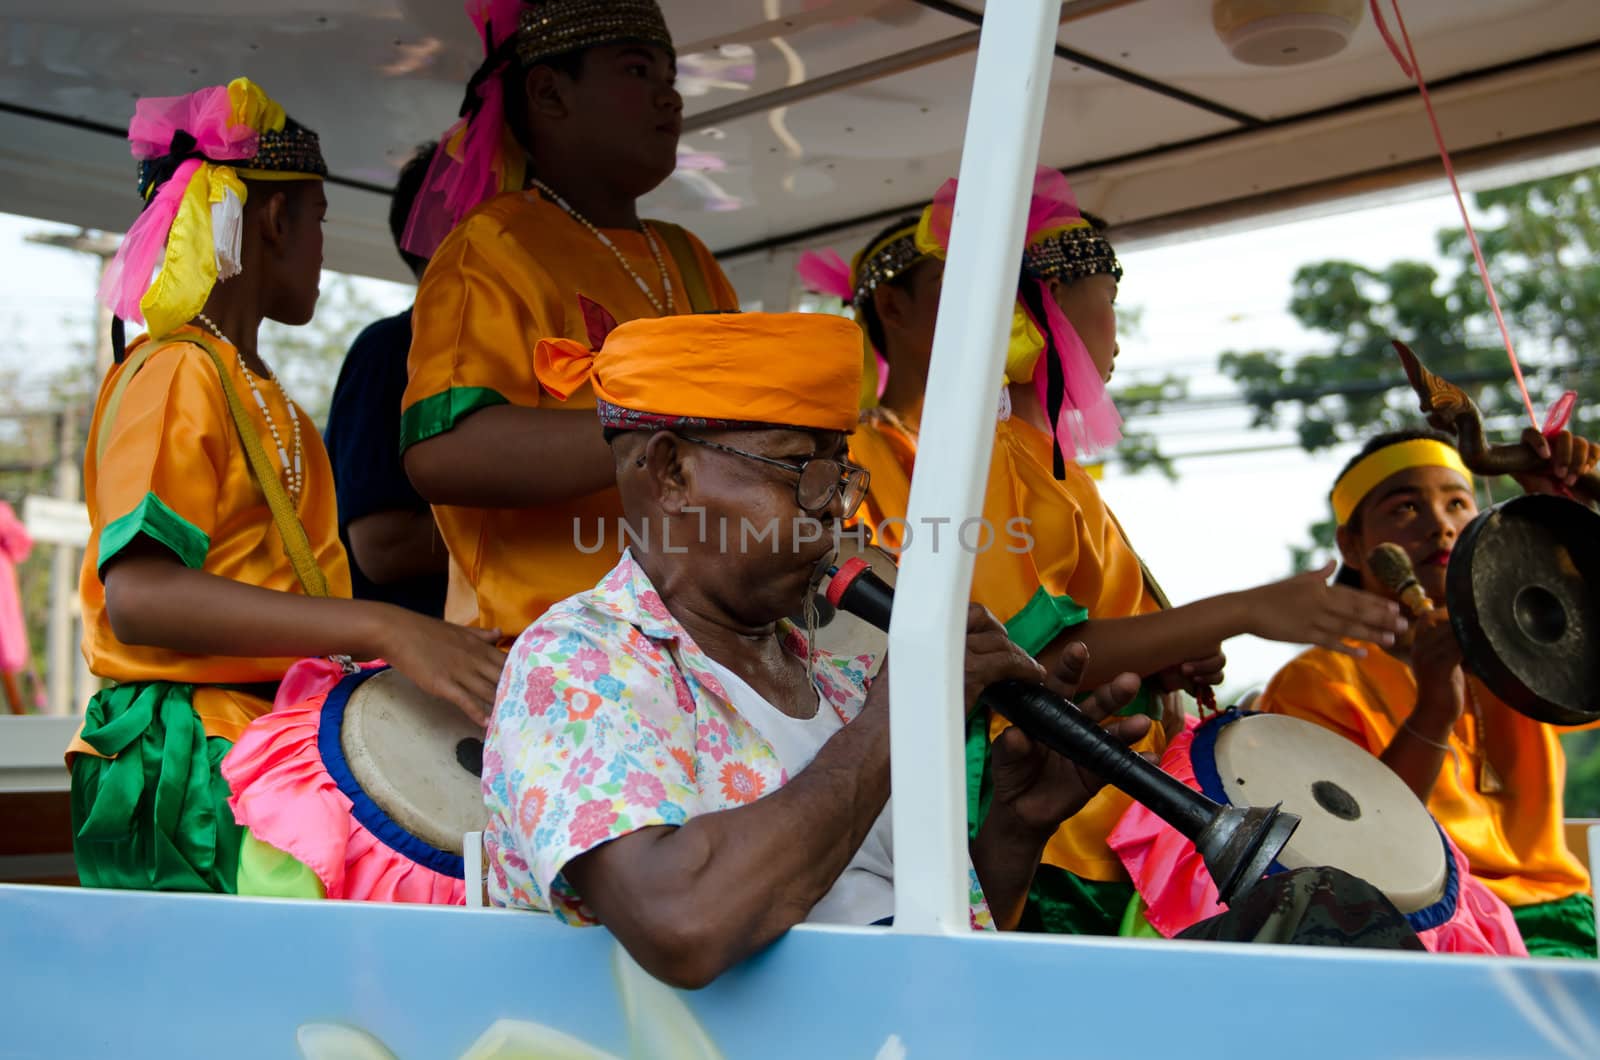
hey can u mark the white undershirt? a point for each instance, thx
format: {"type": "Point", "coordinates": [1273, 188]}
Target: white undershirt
{"type": "Point", "coordinates": [864, 892]}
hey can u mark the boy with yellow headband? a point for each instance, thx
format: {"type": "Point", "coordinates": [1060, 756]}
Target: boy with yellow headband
{"type": "Point", "coordinates": [1074, 576]}
{"type": "Point", "coordinates": [1492, 777]}
{"type": "Point", "coordinates": [211, 501]}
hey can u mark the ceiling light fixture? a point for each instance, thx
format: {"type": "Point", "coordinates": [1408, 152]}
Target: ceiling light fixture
{"type": "Point", "coordinates": [1284, 32]}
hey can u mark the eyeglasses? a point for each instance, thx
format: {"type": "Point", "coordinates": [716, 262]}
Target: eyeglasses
{"type": "Point", "coordinates": [820, 479]}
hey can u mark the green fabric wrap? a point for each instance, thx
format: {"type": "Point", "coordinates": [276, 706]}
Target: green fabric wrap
{"type": "Point", "coordinates": [152, 518]}
{"type": "Point", "coordinates": [1059, 902]}
{"type": "Point", "coordinates": [1064, 903]}
{"type": "Point", "coordinates": [154, 815]}
{"type": "Point", "coordinates": [1044, 618]}
{"type": "Point", "coordinates": [440, 412]}
{"type": "Point", "coordinates": [1562, 928]}
{"type": "Point", "coordinates": [1134, 924]}
{"type": "Point", "coordinates": [267, 872]}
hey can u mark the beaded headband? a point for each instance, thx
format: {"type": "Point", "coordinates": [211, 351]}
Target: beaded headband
{"type": "Point", "coordinates": [1070, 254]}
{"type": "Point", "coordinates": [554, 27]}
{"type": "Point", "coordinates": [883, 261]}
{"type": "Point", "coordinates": [293, 152]}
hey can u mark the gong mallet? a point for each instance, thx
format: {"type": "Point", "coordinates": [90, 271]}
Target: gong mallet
{"type": "Point", "coordinates": [1391, 566]}
{"type": "Point", "coordinates": [1237, 844]}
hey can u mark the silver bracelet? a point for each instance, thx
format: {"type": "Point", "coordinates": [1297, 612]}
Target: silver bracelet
{"type": "Point", "coordinates": [1406, 727]}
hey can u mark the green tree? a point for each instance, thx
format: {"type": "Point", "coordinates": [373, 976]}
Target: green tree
{"type": "Point", "coordinates": [1541, 241]}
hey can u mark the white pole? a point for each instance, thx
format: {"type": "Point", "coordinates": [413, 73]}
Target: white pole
{"type": "Point", "coordinates": [928, 630]}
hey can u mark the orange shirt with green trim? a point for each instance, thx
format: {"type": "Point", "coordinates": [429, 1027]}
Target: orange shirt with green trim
{"type": "Point", "coordinates": [174, 471]}
{"type": "Point", "coordinates": [1513, 837]}
{"type": "Point", "coordinates": [1050, 557]}
{"type": "Point", "coordinates": [506, 277]}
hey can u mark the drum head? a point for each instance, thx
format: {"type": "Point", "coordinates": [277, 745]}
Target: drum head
{"type": "Point", "coordinates": [840, 633]}
{"type": "Point", "coordinates": [1522, 588]}
{"type": "Point", "coordinates": [416, 756]}
{"type": "Point", "coordinates": [1355, 813]}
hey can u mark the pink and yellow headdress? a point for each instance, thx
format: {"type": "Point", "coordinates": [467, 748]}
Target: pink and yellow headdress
{"type": "Point", "coordinates": [479, 156]}
{"type": "Point", "coordinates": [194, 153]}
{"type": "Point", "coordinates": [1059, 244]}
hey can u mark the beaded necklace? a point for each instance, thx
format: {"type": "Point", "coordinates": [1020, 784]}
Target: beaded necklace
{"type": "Point", "coordinates": [655, 251]}
{"type": "Point", "coordinates": [293, 471]}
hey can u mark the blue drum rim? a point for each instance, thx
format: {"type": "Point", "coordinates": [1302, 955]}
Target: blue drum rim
{"type": "Point", "coordinates": [1203, 760]}
{"type": "Point", "coordinates": [371, 816]}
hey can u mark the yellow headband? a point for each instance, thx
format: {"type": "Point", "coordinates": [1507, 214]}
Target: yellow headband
{"type": "Point", "coordinates": [1354, 485]}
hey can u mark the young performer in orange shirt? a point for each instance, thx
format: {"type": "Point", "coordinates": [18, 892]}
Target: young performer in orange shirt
{"type": "Point", "coordinates": [1073, 576]}
{"type": "Point", "coordinates": [214, 559]}
{"type": "Point", "coordinates": [1492, 776]}
{"type": "Point", "coordinates": [571, 118]}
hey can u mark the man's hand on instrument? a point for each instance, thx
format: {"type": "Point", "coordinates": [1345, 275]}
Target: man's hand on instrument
{"type": "Point", "coordinates": [993, 656]}
{"type": "Point", "coordinates": [1036, 789]}
{"type": "Point", "coordinates": [1568, 454]}
{"type": "Point", "coordinates": [1305, 609]}
{"type": "Point", "coordinates": [1436, 662]}
{"type": "Point", "coordinates": [457, 663]}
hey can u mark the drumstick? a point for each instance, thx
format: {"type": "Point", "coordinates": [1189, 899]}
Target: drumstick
{"type": "Point", "coordinates": [1391, 566]}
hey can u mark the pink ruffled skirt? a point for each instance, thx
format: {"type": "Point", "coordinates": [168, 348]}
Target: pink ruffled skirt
{"type": "Point", "coordinates": [291, 787]}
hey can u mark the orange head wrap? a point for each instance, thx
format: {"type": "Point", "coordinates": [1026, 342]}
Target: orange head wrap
{"type": "Point", "coordinates": [726, 370]}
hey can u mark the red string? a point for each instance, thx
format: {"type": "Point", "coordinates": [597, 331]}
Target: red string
{"type": "Point", "coordinates": [1413, 71]}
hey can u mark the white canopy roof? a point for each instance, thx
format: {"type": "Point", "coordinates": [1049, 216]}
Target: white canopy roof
{"type": "Point", "coordinates": [826, 120]}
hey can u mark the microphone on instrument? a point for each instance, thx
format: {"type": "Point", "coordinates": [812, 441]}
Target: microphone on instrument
{"type": "Point", "coordinates": [1237, 844]}
{"type": "Point", "coordinates": [1391, 566]}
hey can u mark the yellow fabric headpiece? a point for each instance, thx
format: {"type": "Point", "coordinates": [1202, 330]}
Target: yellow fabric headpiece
{"type": "Point", "coordinates": [715, 370]}
{"type": "Point", "coordinates": [1370, 472]}
{"type": "Point", "coordinates": [195, 152]}
{"type": "Point", "coordinates": [1026, 342]}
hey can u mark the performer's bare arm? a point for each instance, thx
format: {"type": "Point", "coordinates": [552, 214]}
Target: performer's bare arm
{"type": "Point", "coordinates": [1420, 744]}
{"type": "Point", "coordinates": [513, 456]}
{"type": "Point", "coordinates": [691, 901]}
{"type": "Point", "coordinates": [394, 545]}
{"type": "Point", "coordinates": [1302, 609]}
{"type": "Point", "coordinates": [153, 599]}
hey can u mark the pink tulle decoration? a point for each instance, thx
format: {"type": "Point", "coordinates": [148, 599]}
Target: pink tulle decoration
{"type": "Point", "coordinates": [465, 173]}
{"type": "Point", "coordinates": [127, 278]}
{"type": "Point", "coordinates": [1089, 419]}
{"type": "Point", "coordinates": [283, 793]}
{"type": "Point", "coordinates": [1053, 205]}
{"type": "Point", "coordinates": [204, 115]}
{"type": "Point", "coordinates": [826, 273]}
{"type": "Point", "coordinates": [883, 373]}
{"type": "Point", "coordinates": [941, 211]}
{"type": "Point", "coordinates": [15, 544]}
{"type": "Point", "coordinates": [1178, 891]}
{"type": "Point", "coordinates": [308, 679]}
{"type": "Point", "coordinates": [499, 17]}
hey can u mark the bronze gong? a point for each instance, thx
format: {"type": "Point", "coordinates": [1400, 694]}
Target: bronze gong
{"type": "Point", "coordinates": [1522, 590]}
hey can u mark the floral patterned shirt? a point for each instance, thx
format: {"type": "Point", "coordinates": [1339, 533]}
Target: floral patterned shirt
{"type": "Point", "coordinates": [609, 719]}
